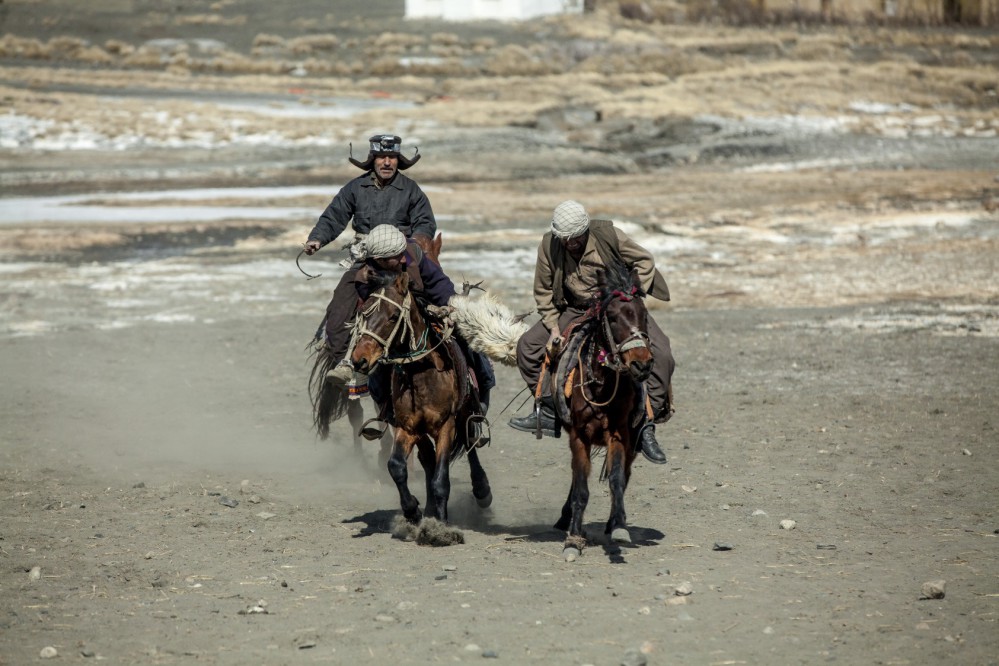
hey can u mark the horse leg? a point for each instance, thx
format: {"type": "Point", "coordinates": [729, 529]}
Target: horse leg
{"type": "Point", "coordinates": [480, 482]}
{"type": "Point", "coordinates": [428, 460]}
{"type": "Point", "coordinates": [355, 417]}
{"type": "Point", "coordinates": [579, 497]}
{"type": "Point", "coordinates": [400, 474]}
{"type": "Point", "coordinates": [442, 475]}
{"type": "Point", "coordinates": [563, 521]}
{"type": "Point", "coordinates": [617, 480]}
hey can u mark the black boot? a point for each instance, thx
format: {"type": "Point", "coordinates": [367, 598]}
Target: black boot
{"type": "Point", "coordinates": [529, 423]}
{"type": "Point", "coordinates": [649, 446]}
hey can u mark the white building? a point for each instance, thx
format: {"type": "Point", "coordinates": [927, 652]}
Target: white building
{"type": "Point", "coordinates": [471, 10]}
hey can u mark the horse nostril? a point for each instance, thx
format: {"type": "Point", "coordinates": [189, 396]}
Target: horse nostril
{"type": "Point", "coordinates": [361, 366]}
{"type": "Point", "coordinates": [640, 370]}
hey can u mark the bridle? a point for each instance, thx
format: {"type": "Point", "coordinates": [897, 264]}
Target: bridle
{"type": "Point", "coordinates": [612, 359]}
{"type": "Point", "coordinates": [635, 339]}
{"type": "Point", "coordinates": [402, 329]}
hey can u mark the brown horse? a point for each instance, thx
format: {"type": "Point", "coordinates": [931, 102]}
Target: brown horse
{"type": "Point", "coordinates": [430, 392]}
{"type": "Point", "coordinates": [600, 374]}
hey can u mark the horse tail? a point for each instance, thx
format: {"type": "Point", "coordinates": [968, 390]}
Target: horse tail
{"type": "Point", "coordinates": [329, 402]}
{"type": "Point", "coordinates": [489, 327]}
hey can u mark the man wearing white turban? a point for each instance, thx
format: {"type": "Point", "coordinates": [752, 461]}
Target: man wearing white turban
{"type": "Point", "coordinates": [565, 278]}
{"type": "Point", "coordinates": [381, 194]}
{"type": "Point", "coordinates": [387, 249]}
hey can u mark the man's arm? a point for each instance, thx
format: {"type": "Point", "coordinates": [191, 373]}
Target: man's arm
{"type": "Point", "coordinates": [543, 294]}
{"type": "Point", "coordinates": [334, 219]}
{"type": "Point", "coordinates": [421, 215]}
{"type": "Point", "coordinates": [636, 256]}
{"type": "Point", "coordinates": [437, 287]}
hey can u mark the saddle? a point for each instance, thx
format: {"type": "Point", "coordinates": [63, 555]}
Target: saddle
{"type": "Point", "coordinates": [564, 376]}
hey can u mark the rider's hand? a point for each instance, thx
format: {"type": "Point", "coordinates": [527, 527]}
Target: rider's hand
{"type": "Point", "coordinates": [311, 247]}
{"type": "Point", "coordinates": [554, 341]}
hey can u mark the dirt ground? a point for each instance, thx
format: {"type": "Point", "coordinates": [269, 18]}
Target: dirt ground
{"type": "Point", "coordinates": [822, 201]}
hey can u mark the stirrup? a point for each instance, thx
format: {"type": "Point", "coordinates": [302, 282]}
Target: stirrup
{"type": "Point", "coordinates": [372, 433]}
{"type": "Point", "coordinates": [485, 433]}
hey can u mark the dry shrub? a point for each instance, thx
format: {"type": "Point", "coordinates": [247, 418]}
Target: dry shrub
{"type": "Point", "coordinates": [12, 46]}
{"type": "Point", "coordinates": [310, 43]}
{"type": "Point", "coordinates": [144, 58]}
{"type": "Point", "coordinates": [445, 39]}
{"type": "Point", "coordinates": [263, 39]}
{"type": "Point", "coordinates": [514, 60]}
{"type": "Point", "coordinates": [676, 62]}
{"type": "Point", "coordinates": [441, 51]}
{"type": "Point", "coordinates": [64, 46]}
{"type": "Point", "coordinates": [94, 55]}
{"type": "Point", "coordinates": [118, 47]}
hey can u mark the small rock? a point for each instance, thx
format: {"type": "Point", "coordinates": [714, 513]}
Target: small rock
{"type": "Point", "coordinates": [384, 618]}
{"type": "Point", "coordinates": [759, 512]}
{"type": "Point", "coordinates": [721, 545]}
{"type": "Point", "coordinates": [449, 567]}
{"type": "Point", "coordinates": [35, 573]}
{"type": "Point", "coordinates": [87, 652]}
{"type": "Point", "coordinates": [966, 452]}
{"type": "Point", "coordinates": [48, 652]}
{"type": "Point", "coordinates": [244, 486]}
{"type": "Point", "coordinates": [825, 546]}
{"type": "Point", "coordinates": [768, 630]}
{"type": "Point", "coordinates": [933, 589]}
{"type": "Point", "coordinates": [644, 610]}
{"type": "Point", "coordinates": [688, 489]}
{"type": "Point", "coordinates": [676, 601]}
{"type": "Point", "coordinates": [788, 524]}
{"type": "Point", "coordinates": [633, 657]}
{"type": "Point", "coordinates": [683, 589]}
{"type": "Point", "coordinates": [226, 501]}
{"type": "Point", "coordinates": [440, 577]}
{"type": "Point", "coordinates": [264, 515]}
{"type": "Point", "coordinates": [472, 647]}
{"type": "Point", "coordinates": [490, 654]}
{"type": "Point", "coordinates": [254, 499]}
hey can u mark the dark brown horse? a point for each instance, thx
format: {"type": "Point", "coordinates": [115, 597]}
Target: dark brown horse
{"type": "Point", "coordinates": [431, 398]}
{"type": "Point", "coordinates": [600, 374]}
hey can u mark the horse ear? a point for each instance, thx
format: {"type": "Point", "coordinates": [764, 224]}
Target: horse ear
{"type": "Point", "coordinates": [635, 280]}
{"type": "Point", "coordinates": [402, 281]}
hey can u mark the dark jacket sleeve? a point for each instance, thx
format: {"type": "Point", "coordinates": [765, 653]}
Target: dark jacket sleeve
{"type": "Point", "coordinates": [421, 215]}
{"type": "Point", "coordinates": [437, 287]}
{"type": "Point", "coordinates": [337, 215]}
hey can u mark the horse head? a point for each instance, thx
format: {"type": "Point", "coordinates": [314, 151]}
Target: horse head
{"type": "Point", "coordinates": [623, 320]}
{"type": "Point", "coordinates": [385, 321]}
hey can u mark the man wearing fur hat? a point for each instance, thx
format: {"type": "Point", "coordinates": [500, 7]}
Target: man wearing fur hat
{"type": "Point", "coordinates": [569, 258]}
{"type": "Point", "coordinates": [381, 195]}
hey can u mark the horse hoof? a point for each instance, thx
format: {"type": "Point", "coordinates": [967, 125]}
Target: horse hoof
{"type": "Point", "coordinates": [570, 553]}
{"type": "Point", "coordinates": [484, 502]}
{"type": "Point", "coordinates": [620, 535]}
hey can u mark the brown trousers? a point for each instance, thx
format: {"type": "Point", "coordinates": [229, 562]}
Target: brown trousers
{"type": "Point", "coordinates": [531, 354]}
{"type": "Point", "coordinates": [340, 311]}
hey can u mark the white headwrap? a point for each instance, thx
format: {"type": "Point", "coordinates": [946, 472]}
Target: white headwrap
{"type": "Point", "coordinates": [570, 220]}
{"type": "Point", "coordinates": [384, 241]}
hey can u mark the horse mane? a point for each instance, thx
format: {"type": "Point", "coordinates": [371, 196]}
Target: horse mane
{"type": "Point", "coordinates": [614, 279]}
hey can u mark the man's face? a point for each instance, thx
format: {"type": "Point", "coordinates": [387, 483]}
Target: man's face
{"type": "Point", "coordinates": [386, 166]}
{"type": "Point", "coordinates": [576, 244]}
{"type": "Point", "coordinates": [391, 263]}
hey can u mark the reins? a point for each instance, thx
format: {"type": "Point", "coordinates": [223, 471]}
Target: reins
{"type": "Point", "coordinates": [613, 360]}
{"type": "Point", "coordinates": [418, 347]}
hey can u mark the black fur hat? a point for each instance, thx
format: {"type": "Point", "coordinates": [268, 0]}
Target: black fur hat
{"type": "Point", "coordinates": [384, 144]}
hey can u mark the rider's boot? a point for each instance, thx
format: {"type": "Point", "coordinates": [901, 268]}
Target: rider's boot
{"type": "Point", "coordinates": [529, 423]}
{"type": "Point", "coordinates": [649, 446]}
{"type": "Point", "coordinates": [341, 373]}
